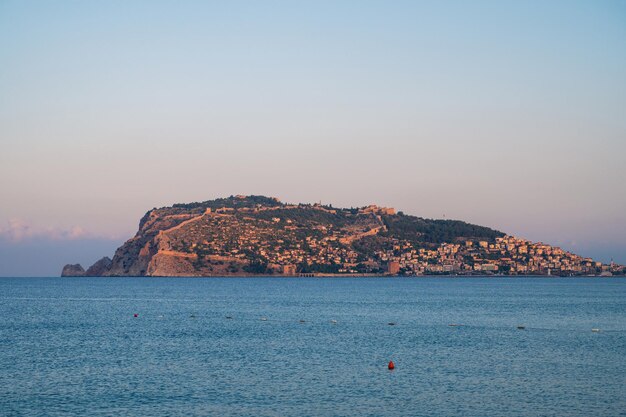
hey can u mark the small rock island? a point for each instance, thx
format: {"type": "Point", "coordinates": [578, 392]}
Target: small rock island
{"type": "Point", "coordinates": [257, 235]}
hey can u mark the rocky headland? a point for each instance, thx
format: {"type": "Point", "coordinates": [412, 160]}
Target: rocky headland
{"type": "Point", "coordinates": [256, 235]}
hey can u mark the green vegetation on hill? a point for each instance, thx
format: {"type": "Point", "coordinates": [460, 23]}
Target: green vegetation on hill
{"type": "Point", "coordinates": [418, 230]}
{"type": "Point", "coordinates": [249, 201]}
{"type": "Point", "coordinates": [305, 215]}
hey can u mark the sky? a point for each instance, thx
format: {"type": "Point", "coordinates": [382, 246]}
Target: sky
{"type": "Point", "coordinates": [506, 114]}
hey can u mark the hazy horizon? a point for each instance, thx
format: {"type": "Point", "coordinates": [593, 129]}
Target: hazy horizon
{"type": "Point", "coordinates": [507, 115]}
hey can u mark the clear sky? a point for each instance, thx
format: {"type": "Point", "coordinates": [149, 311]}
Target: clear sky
{"type": "Point", "coordinates": [508, 114]}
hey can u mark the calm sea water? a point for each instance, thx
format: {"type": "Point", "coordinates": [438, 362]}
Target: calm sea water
{"type": "Point", "coordinates": [72, 347]}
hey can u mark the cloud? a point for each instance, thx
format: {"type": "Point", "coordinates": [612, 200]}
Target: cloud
{"type": "Point", "coordinates": [17, 230]}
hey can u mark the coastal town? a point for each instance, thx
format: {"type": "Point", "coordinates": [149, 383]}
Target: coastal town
{"type": "Point", "coordinates": [507, 255]}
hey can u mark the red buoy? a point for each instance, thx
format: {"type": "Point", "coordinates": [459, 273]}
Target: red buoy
{"type": "Point", "coordinates": [391, 365]}
{"type": "Point", "coordinates": [135, 315]}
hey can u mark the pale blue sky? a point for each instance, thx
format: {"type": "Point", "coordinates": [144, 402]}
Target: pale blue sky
{"type": "Point", "coordinates": [506, 114]}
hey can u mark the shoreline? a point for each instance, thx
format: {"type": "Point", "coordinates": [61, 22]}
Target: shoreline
{"type": "Point", "coordinates": [329, 275]}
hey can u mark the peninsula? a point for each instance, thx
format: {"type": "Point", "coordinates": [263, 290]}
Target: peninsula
{"type": "Point", "coordinates": [257, 235]}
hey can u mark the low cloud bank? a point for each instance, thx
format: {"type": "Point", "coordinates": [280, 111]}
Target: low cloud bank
{"type": "Point", "coordinates": [44, 257]}
{"type": "Point", "coordinates": [29, 250]}
{"type": "Point", "coordinates": [18, 230]}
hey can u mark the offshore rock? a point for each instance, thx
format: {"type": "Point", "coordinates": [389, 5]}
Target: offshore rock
{"type": "Point", "coordinates": [73, 270]}
{"type": "Point", "coordinates": [99, 268]}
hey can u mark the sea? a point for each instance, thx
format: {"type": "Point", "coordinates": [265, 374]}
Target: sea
{"type": "Point", "coordinates": [479, 346]}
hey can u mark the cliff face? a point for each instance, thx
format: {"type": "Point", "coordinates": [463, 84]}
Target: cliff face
{"type": "Point", "coordinates": [99, 268]}
{"type": "Point", "coordinates": [138, 256]}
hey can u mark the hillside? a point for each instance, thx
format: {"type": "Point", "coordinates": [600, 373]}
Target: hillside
{"type": "Point", "coordinates": [256, 235]}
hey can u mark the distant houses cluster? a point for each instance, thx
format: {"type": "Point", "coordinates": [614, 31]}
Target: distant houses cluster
{"type": "Point", "coordinates": [508, 255]}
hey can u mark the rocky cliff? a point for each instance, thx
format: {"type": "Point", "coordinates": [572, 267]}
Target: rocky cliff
{"type": "Point", "coordinates": [101, 267]}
